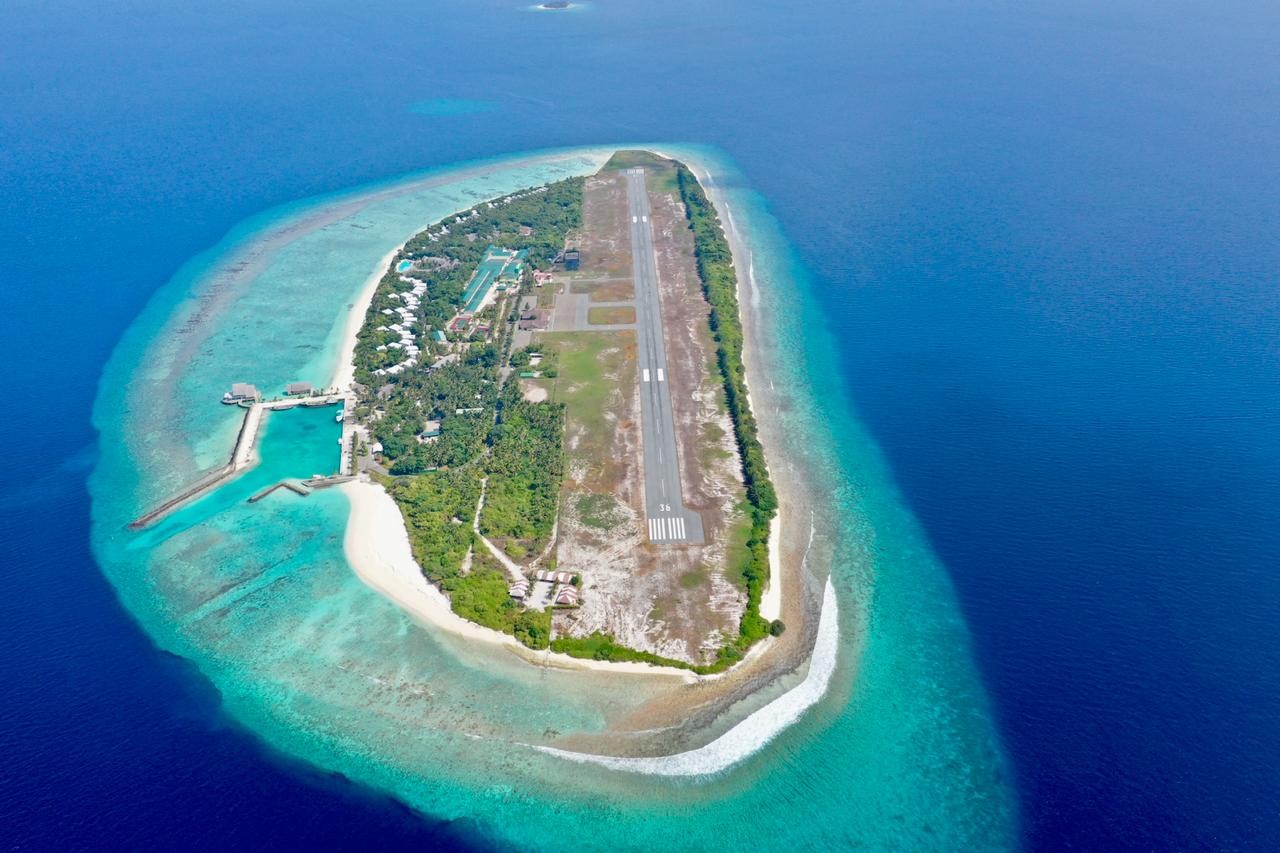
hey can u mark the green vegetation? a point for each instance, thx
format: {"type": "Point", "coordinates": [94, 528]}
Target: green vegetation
{"type": "Point", "coordinates": [450, 420]}
{"type": "Point", "coordinates": [523, 358]}
{"type": "Point", "coordinates": [585, 365]}
{"type": "Point", "coordinates": [719, 285]}
{"type": "Point", "coordinates": [600, 646]}
{"type": "Point", "coordinates": [481, 596]}
{"type": "Point", "coordinates": [660, 172]}
{"type": "Point", "coordinates": [693, 579]}
{"type": "Point", "coordinates": [448, 396]}
{"type": "Point", "coordinates": [599, 512]}
{"type": "Point", "coordinates": [525, 467]}
{"type": "Point", "coordinates": [447, 421]}
{"type": "Point", "coordinates": [611, 315]}
{"type": "Point", "coordinates": [437, 511]}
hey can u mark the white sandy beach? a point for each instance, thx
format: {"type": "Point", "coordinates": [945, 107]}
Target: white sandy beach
{"type": "Point", "coordinates": [771, 598]}
{"type": "Point", "coordinates": [345, 373]}
{"type": "Point", "coordinates": [377, 547]}
{"type": "Point", "coordinates": [377, 543]}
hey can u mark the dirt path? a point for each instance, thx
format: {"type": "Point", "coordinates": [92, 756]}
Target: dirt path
{"type": "Point", "coordinates": [513, 570]}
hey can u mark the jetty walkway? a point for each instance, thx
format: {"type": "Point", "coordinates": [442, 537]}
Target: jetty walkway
{"type": "Point", "coordinates": [242, 454]}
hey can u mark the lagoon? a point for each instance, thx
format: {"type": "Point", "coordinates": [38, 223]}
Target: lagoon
{"type": "Point", "coordinates": [1047, 305]}
{"type": "Point", "coordinates": [261, 598]}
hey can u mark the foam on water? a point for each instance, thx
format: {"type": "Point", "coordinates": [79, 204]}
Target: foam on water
{"type": "Point", "coordinates": [261, 599]}
{"type": "Point", "coordinates": [753, 733]}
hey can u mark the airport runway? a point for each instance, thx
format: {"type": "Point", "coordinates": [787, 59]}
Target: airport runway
{"type": "Point", "coordinates": [667, 520]}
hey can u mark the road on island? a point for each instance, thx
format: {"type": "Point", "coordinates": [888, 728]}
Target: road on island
{"type": "Point", "coordinates": [668, 520]}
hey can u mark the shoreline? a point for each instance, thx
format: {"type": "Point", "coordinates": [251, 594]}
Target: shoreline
{"type": "Point", "coordinates": [345, 373]}
{"type": "Point", "coordinates": [378, 573]}
{"type": "Point", "coordinates": [376, 545]}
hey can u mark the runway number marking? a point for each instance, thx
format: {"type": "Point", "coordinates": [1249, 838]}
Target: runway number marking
{"type": "Point", "coordinates": [646, 374]}
{"type": "Point", "coordinates": [661, 377]}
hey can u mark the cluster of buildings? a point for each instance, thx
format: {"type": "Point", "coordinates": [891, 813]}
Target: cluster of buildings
{"type": "Point", "coordinates": [403, 328]}
{"type": "Point", "coordinates": [434, 236]}
{"type": "Point", "coordinates": [244, 394]}
{"type": "Point", "coordinates": [563, 592]}
{"type": "Point", "coordinates": [510, 198]}
{"type": "Point", "coordinates": [499, 270]}
{"type": "Point", "coordinates": [241, 392]}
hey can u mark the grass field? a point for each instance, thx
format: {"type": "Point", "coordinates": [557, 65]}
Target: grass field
{"type": "Point", "coordinates": [593, 367]}
{"type": "Point", "coordinates": [599, 512]}
{"type": "Point", "coordinates": [738, 556]}
{"type": "Point", "coordinates": [613, 315]}
{"type": "Point", "coordinates": [661, 174]}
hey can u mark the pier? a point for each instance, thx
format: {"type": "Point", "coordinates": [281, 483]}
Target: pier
{"type": "Point", "coordinates": [242, 455]}
{"type": "Point", "coordinates": [296, 488]}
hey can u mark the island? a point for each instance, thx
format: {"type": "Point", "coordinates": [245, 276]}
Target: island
{"type": "Point", "coordinates": [550, 385]}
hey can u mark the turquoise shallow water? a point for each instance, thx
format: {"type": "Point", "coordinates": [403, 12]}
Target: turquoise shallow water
{"type": "Point", "coordinates": [900, 753]}
{"type": "Point", "coordinates": [450, 107]}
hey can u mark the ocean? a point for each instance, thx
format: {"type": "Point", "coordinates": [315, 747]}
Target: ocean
{"type": "Point", "coordinates": [1029, 265]}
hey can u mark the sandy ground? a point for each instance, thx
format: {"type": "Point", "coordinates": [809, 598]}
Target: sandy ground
{"type": "Point", "coordinates": [346, 371]}
{"type": "Point", "coordinates": [677, 602]}
{"type": "Point", "coordinates": [377, 547]}
{"type": "Point", "coordinates": [390, 576]}
{"type": "Point", "coordinates": [771, 598]}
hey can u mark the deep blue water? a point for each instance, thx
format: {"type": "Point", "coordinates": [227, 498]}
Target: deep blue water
{"type": "Point", "coordinates": [1046, 240]}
